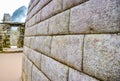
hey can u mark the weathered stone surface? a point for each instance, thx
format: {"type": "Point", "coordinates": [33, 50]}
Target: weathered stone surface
{"type": "Point", "coordinates": [53, 69]}
{"type": "Point", "coordinates": [38, 17]}
{"type": "Point", "coordinates": [27, 24]}
{"type": "Point", "coordinates": [77, 76]}
{"type": "Point", "coordinates": [27, 41]}
{"type": "Point", "coordinates": [6, 17]}
{"type": "Point", "coordinates": [32, 9]}
{"type": "Point", "coordinates": [33, 43]}
{"type": "Point", "coordinates": [27, 18]}
{"type": "Point", "coordinates": [27, 70]}
{"type": "Point", "coordinates": [68, 49]}
{"type": "Point", "coordinates": [42, 28]}
{"type": "Point", "coordinates": [43, 44]}
{"type": "Point", "coordinates": [26, 32]}
{"type": "Point", "coordinates": [26, 50]}
{"type": "Point", "coordinates": [20, 41]}
{"type": "Point", "coordinates": [30, 22]}
{"type": "Point", "coordinates": [33, 20]}
{"type": "Point", "coordinates": [54, 7]}
{"type": "Point", "coordinates": [6, 40]}
{"type": "Point", "coordinates": [37, 75]}
{"type": "Point", "coordinates": [32, 5]}
{"type": "Point", "coordinates": [102, 56]}
{"type": "Point", "coordinates": [41, 4]}
{"type": "Point", "coordinates": [59, 24]}
{"type": "Point", "coordinates": [32, 30]}
{"type": "Point", "coordinates": [96, 16]}
{"type": "Point", "coordinates": [23, 76]}
{"type": "Point", "coordinates": [1, 42]}
{"type": "Point", "coordinates": [95, 55]}
{"type": "Point", "coordinates": [35, 57]}
{"type": "Point", "coordinates": [70, 3]}
{"type": "Point", "coordinates": [1, 29]}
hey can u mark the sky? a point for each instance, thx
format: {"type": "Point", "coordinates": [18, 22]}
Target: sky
{"type": "Point", "coordinates": [9, 6]}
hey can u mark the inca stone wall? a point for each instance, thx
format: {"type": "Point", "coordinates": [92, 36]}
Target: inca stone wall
{"type": "Point", "coordinates": [1, 39]}
{"type": "Point", "coordinates": [21, 37]}
{"type": "Point", "coordinates": [5, 29]}
{"type": "Point", "coordinates": [5, 35]}
{"type": "Point", "coordinates": [72, 40]}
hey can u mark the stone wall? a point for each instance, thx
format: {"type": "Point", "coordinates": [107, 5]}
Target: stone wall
{"type": "Point", "coordinates": [5, 35]}
{"type": "Point", "coordinates": [1, 42]}
{"type": "Point", "coordinates": [21, 37]}
{"type": "Point", "coordinates": [72, 40]}
{"type": "Point", "coordinates": [1, 39]}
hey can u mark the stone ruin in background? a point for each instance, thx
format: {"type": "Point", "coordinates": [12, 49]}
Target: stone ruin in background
{"type": "Point", "coordinates": [5, 29]}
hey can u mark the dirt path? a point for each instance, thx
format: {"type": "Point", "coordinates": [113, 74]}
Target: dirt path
{"type": "Point", "coordinates": [10, 66]}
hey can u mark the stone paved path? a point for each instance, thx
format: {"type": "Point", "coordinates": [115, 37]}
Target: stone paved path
{"type": "Point", "coordinates": [10, 66]}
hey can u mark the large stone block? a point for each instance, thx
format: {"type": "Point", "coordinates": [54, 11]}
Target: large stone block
{"type": "Point", "coordinates": [70, 3]}
{"type": "Point", "coordinates": [27, 18]}
{"type": "Point", "coordinates": [33, 43]}
{"type": "Point", "coordinates": [26, 24]}
{"type": "Point", "coordinates": [27, 41]}
{"type": "Point", "coordinates": [26, 50]}
{"type": "Point", "coordinates": [32, 9]}
{"type": "Point", "coordinates": [1, 30]}
{"type": "Point", "coordinates": [54, 7]}
{"type": "Point", "coordinates": [32, 30]}
{"type": "Point", "coordinates": [68, 49]}
{"type": "Point", "coordinates": [53, 69]}
{"type": "Point", "coordinates": [59, 24]}
{"type": "Point", "coordinates": [27, 33]}
{"type": "Point", "coordinates": [35, 57]}
{"type": "Point", "coordinates": [33, 5]}
{"type": "Point", "coordinates": [23, 76]}
{"type": "Point", "coordinates": [102, 56]}
{"type": "Point", "coordinates": [29, 23]}
{"type": "Point", "coordinates": [78, 76]}
{"type": "Point", "coordinates": [96, 16]}
{"type": "Point", "coordinates": [37, 75]}
{"type": "Point", "coordinates": [42, 28]}
{"type": "Point", "coordinates": [27, 70]}
{"type": "Point", "coordinates": [43, 44]}
{"type": "Point", "coordinates": [38, 17]}
{"type": "Point", "coordinates": [1, 42]}
{"type": "Point", "coordinates": [41, 4]}
{"type": "Point", "coordinates": [33, 20]}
